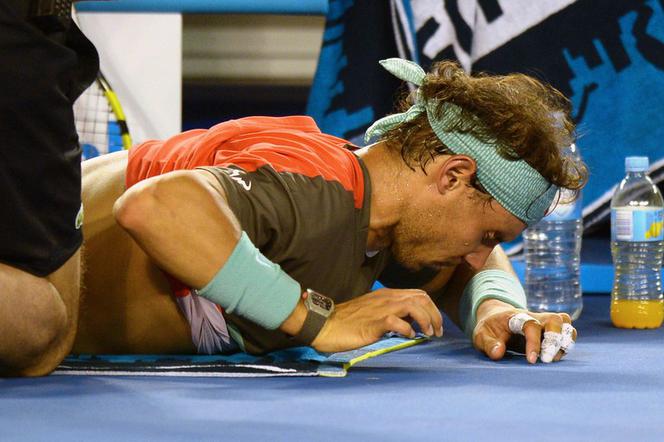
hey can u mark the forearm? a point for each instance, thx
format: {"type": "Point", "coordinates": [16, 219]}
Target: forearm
{"type": "Point", "coordinates": [495, 284]}
{"type": "Point", "coordinates": [498, 260]}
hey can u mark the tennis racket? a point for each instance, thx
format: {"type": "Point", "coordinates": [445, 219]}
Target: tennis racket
{"type": "Point", "coordinates": [100, 121]}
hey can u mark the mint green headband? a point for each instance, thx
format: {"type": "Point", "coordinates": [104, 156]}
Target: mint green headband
{"type": "Point", "coordinates": [513, 183]}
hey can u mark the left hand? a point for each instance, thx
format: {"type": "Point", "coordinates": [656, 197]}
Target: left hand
{"type": "Point", "coordinates": [492, 333]}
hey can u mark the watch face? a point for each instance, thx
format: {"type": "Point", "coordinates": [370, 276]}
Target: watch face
{"type": "Point", "coordinates": [322, 302]}
{"type": "Point", "coordinates": [319, 303]}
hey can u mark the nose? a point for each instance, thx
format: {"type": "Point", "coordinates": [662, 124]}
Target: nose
{"type": "Point", "coordinates": [477, 258]}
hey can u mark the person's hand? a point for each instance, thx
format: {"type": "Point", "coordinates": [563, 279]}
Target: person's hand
{"type": "Point", "coordinates": [364, 320]}
{"type": "Point", "coordinates": [548, 336]}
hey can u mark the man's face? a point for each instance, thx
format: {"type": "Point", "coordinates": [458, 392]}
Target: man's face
{"type": "Point", "coordinates": [443, 230]}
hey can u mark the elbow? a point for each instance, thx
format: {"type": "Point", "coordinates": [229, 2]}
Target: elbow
{"type": "Point", "coordinates": [131, 211]}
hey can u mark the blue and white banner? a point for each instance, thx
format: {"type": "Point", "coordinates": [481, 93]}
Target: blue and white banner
{"type": "Point", "coordinates": [606, 56]}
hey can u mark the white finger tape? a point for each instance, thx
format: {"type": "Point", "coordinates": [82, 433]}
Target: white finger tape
{"type": "Point", "coordinates": [567, 342]}
{"type": "Point", "coordinates": [517, 322]}
{"type": "Point", "coordinates": [550, 346]}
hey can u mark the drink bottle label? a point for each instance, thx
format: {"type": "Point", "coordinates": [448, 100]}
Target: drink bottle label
{"type": "Point", "coordinates": [637, 224]}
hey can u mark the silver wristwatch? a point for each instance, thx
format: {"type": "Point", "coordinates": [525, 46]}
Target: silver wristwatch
{"type": "Point", "coordinates": [319, 308]}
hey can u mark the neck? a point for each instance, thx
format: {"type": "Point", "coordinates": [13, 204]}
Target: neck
{"type": "Point", "coordinates": [389, 179]}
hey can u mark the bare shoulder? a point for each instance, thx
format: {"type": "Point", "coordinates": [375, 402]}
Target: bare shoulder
{"type": "Point", "coordinates": [104, 171]}
{"type": "Point", "coordinates": [103, 181]}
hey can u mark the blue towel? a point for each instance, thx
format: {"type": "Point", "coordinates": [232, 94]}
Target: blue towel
{"type": "Point", "coordinates": [299, 361]}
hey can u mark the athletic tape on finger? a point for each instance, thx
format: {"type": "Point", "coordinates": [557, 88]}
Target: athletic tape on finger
{"type": "Point", "coordinates": [517, 322]}
{"type": "Point", "coordinates": [550, 346]}
{"type": "Point", "coordinates": [567, 342]}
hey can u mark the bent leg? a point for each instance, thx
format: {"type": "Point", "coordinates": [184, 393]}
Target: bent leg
{"type": "Point", "coordinates": [38, 318]}
{"type": "Point", "coordinates": [42, 73]}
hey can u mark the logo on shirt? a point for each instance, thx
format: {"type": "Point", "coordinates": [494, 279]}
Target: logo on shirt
{"type": "Point", "coordinates": [238, 176]}
{"type": "Point", "coordinates": [78, 222]}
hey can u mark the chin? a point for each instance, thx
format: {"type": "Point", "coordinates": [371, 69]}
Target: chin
{"type": "Point", "coordinates": [412, 266]}
{"type": "Point", "coordinates": [413, 263]}
{"type": "Point", "coordinates": [407, 262]}
{"type": "Point", "coordinates": [417, 266]}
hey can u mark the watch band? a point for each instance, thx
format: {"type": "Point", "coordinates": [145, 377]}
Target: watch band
{"type": "Point", "coordinates": [313, 323]}
{"type": "Point", "coordinates": [319, 308]}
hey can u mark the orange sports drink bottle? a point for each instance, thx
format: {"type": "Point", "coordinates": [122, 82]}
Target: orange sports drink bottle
{"type": "Point", "coordinates": [637, 244]}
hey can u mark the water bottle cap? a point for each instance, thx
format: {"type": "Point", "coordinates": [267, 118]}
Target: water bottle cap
{"type": "Point", "coordinates": [636, 164]}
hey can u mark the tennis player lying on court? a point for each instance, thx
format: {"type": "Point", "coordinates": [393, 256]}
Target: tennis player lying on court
{"type": "Point", "coordinates": [263, 233]}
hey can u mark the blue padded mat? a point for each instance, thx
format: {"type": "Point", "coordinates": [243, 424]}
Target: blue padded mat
{"type": "Point", "coordinates": [611, 388]}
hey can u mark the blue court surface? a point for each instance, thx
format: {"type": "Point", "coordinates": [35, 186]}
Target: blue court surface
{"type": "Point", "coordinates": [610, 388]}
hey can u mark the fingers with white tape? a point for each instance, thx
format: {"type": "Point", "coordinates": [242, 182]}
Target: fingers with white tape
{"type": "Point", "coordinates": [550, 346]}
{"type": "Point", "coordinates": [518, 321]}
{"type": "Point", "coordinates": [553, 341]}
{"type": "Point", "coordinates": [567, 342]}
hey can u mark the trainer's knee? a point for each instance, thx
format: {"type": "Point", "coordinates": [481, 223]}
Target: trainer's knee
{"type": "Point", "coordinates": [42, 347]}
{"type": "Point", "coordinates": [37, 347]}
{"type": "Point", "coordinates": [34, 323]}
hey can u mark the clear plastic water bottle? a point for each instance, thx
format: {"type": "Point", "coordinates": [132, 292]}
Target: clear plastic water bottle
{"type": "Point", "coordinates": [637, 243]}
{"type": "Point", "coordinates": [552, 251]}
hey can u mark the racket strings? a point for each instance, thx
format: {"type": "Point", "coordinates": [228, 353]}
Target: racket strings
{"type": "Point", "coordinates": [96, 124]}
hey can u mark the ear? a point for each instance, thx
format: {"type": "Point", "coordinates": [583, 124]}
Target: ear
{"type": "Point", "coordinates": [457, 170]}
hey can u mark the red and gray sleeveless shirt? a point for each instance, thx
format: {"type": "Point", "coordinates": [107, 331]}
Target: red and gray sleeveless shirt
{"type": "Point", "coordinates": [301, 196]}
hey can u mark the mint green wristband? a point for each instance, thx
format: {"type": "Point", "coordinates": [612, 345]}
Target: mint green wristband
{"type": "Point", "coordinates": [488, 284]}
{"type": "Point", "coordinates": [252, 286]}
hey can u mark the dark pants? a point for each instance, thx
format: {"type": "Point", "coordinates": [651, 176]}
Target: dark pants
{"type": "Point", "coordinates": [41, 75]}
